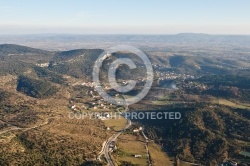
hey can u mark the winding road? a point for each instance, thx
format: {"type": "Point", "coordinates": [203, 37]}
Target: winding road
{"type": "Point", "coordinates": [105, 150]}
{"type": "Point", "coordinates": [14, 128]}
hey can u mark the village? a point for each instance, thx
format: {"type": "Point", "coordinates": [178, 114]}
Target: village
{"type": "Point", "coordinates": [173, 75]}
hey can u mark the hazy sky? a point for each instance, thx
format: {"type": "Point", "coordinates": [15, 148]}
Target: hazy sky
{"type": "Point", "coordinates": [125, 17]}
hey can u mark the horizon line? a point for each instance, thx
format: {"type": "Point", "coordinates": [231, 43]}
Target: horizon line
{"type": "Point", "coordinates": [124, 34]}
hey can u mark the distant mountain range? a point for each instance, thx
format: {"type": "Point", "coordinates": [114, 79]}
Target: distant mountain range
{"type": "Point", "coordinates": [131, 38]}
{"type": "Point", "coordinates": [60, 41]}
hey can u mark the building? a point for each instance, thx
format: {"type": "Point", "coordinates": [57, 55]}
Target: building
{"type": "Point", "coordinates": [138, 156]}
{"type": "Point", "coordinates": [136, 130]}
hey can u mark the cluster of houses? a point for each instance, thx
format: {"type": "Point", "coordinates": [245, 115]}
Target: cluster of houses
{"type": "Point", "coordinates": [42, 64]}
{"type": "Point", "coordinates": [88, 84]}
{"type": "Point", "coordinates": [95, 102]}
{"type": "Point", "coordinates": [96, 105]}
{"type": "Point", "coordinates": [99, 104]}
{"type": "Point", "coordinates": [172, 76]}
{"type": "Point", "coordinates": [194, 85]}
{"type": "Point", "coordinates": [136, 130]}
{"type": "Point", "coordinates": [104, 116]}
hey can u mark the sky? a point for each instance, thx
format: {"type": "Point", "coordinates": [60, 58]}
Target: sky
{"type": "Point", "coordinates": [124, 17]}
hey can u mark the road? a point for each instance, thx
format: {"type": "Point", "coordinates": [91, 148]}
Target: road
{"type": "Point", "coordinates": [187, 162]}
{"type": "Point", "coordinates": [105, 150]}
{"type": "Point", "coordinates": [14, 128]}
{"type": "Point", "coordinates": [10, 129]}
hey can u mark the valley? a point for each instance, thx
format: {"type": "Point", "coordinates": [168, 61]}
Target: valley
{"type": "Point", "coordinates": [51, 113]}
